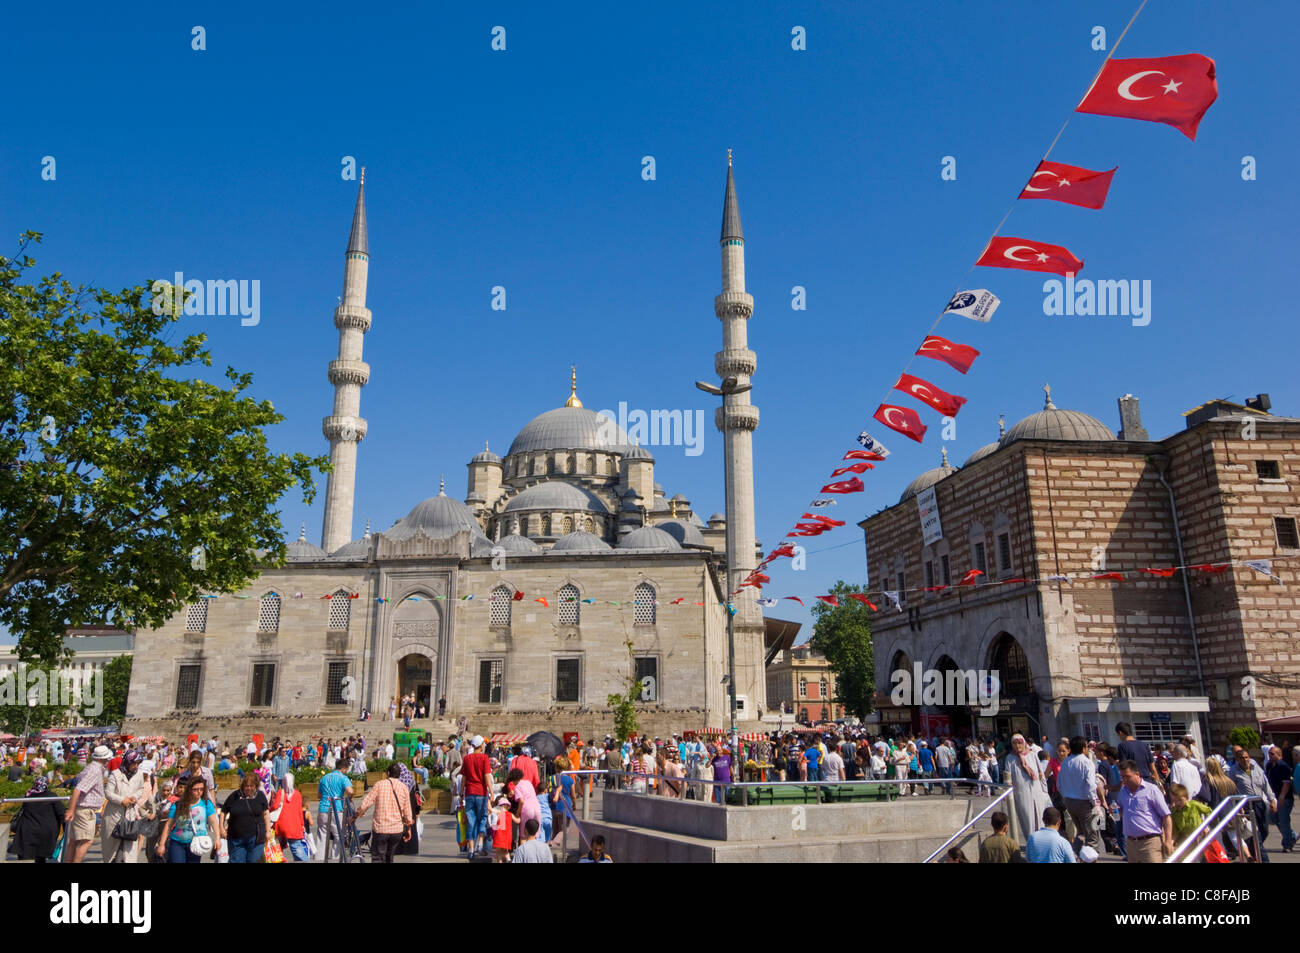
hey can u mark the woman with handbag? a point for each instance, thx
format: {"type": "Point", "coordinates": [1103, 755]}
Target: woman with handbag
{"type": "Point", "coordinates": [37, 827]}
{"type": "Point", "coordinates": [156, 815]}
{"type": "Point", "coordinates": [119, 832]}
{"type": "Point", "coordinates": [193, 827]}
{"type": "Point", "coordinates": [245, 815]}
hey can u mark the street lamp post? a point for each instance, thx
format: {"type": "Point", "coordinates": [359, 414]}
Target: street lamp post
{"type": "Point", "coordinates": [730, 385]}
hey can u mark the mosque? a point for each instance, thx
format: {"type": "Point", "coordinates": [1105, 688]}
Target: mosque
{"type": "Point", "coordinates": [564, 576]}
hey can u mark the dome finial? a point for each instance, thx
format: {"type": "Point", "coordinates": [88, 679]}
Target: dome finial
{"type": "Point", "coordinates": [943, 453]}
{"type": "Point", "coordinates": [486, 448]}
{"type": "Point", "coordinates": [728, 158]}
{"type": "Point", "coordinates": [672, 508]}
{"type": "Point", "coordinates": [367, 536]}
{"type": "Point", "coordinates": [573, 388]}
{"type": "Point", "coordinates": [442, 483]}
{"type": "Point", "coordinates": [1048, 405]}
{"type": "Point", "coordinates": [1002, 426]}
{"type": "Point", "coordinates": [302, 533]}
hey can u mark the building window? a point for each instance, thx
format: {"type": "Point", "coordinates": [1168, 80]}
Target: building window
{"type": "Point", "coordinates": [643, 605]}
{"type": "Point", "coordinates": [821, 686]}
{"type": "Point", "coordinates": [268, 613]}
{"type": "Point", "coordinates": [1158, 731]}
{"type": "Point", "coordinates": [567, 610]}
{"type": "Point", "coordinates": [187, 686]}
{"type": "Point", "coordinates": [568, 525]}
{"type": "Point", "coordinates": [945, 572]}
{"type": "Point", "coordinates": [1286, 534]}
{"type": "Point", "coordinates": [981, 559]}
{"type": "Point", "coordinates": [490, 672]}
{"type": "Point", "coordinates": [646, 672]}
{"type": "Point", "coordinates": [340, 609]}
{"type": "Point", "coordinates": [336, 683]}
{"type": "Point", "coordinates": [1091, 731]}
{"type": "Point", "coordinates": [588, 525]}
{"type": "Point", "coordinates": [263, 686]}
{"type": "Point", "coordinates": [196, 616]}
{"type": "Point", "coordinates": [1268, 470]}
{"type": "Point", "coordinates": [929, 573]}
{"type": "Point", "coordinates": [1004, 552]}
{"type": "Point", "coordinates": [500, 602]}
{"type": "Point", "coordinates": [567, 674]}
{"type": "Point", "coordinates": [803, 688]}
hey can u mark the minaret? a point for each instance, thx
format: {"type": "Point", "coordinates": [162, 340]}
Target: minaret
{"type": "Point", "coordinates": [345, 428]}
{"type": "Point", "coordinates": [737, 419]}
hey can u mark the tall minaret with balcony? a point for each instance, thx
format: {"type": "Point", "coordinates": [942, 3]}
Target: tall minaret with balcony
{"type": "Point", "coordinates": [737, 420]}
{"type": "Point", "coordinates": [345, 427]}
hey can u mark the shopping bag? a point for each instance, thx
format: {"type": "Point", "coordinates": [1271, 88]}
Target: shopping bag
{"type": "Point", "coordinates": [1215, 854]}
{"type": "Point", "coordinates": [273, 854]}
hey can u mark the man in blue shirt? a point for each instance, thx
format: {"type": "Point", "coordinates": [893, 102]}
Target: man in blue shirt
{"type": "Point", "coordinates": [1046, 845]}
{"type": "Point", "coordinates": [925, 758]}
{"type": "Point", "coordinates": [333, 788]}
{"type": "Point", "coordinates": [814, 756]}
{"type": "Point", "coordinates": [1076, 781]}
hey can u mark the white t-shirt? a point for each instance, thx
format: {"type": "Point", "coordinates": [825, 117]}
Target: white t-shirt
{"type": "Point", "coordinates": [832, 767]}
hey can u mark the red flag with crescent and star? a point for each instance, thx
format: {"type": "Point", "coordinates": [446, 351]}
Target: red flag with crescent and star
{"type": "Point", "coordinates": [903, 420]}
{"type": "Point", "coordinates": [823, 519]}
{"type": "Point", "coordinates": [1070, 184]}
{"type": "Point", "coordinates": [862, 455]}
{"type": "Point", "coordinates": [830, 600]}
{"type": "Point", "coordinates": [860, 467]}
{"type": "Point", "coordinates": [945, 403]}
{"type": "Point", "coordinates": [851, 485]}
{"type": "Point", "coordinates": [957, 356]}
{"type": "Point", "coordinates": [1029, 255]}
{"type": "Point", "coordinates": [861, 597]}
{"type": "Point", "coordinates": [1176, 90]}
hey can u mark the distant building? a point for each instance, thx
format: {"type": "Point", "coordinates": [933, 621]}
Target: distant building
{"type": "Point", "coordinates": [800, 682]}
{"type": "Point", "coordinates": [1061, 495]}
{"type": "Point", "coordinates": [92, 646]}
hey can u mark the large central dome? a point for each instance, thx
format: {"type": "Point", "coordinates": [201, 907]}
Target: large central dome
{"type": "Point", "coordinates": [570, 428]}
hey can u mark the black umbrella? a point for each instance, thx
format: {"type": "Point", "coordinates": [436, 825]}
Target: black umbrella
{"type": "Point", "coordinates": [545, 744]}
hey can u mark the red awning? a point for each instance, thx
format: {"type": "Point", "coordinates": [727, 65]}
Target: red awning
{"type": "Point", "coordinates": [1286, 724]}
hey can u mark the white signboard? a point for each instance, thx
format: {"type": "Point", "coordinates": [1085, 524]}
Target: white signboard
{"type": "Point", "coordinates": [931, 531]}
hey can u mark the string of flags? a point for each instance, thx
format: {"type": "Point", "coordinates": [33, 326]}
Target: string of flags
{"type": "Point", "coordinates": [1175, 90]}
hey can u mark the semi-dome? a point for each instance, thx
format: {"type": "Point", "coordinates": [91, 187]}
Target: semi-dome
{"type": "Point", "coordinates": [580, 541]}
{"type": "Point", "coordinates": [439, 516]}
{"type": "Point", "coordinates": [649, 538]}
{"type": "Point", "coordinates": [514, 543]}
{"type": "Point", "coordinates": [556, 495]}
{"type": "Point", "coordinates": [301, 551]}
{"type": "Point", "coordinates": [929, 478]}
{"type": "Point", "coordinates": [686, 534]}
{"type": "Point", "coordinates": [1051, 423]}
{"type": "Point", "coordinates": [350, 552]}
{"type": "Point", "coordinates": [981, 453]}
{"type": "Point", "coordinates": [570, 428]}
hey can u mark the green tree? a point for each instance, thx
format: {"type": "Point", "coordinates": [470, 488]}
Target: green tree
{"type": "Point", "coordinates": [117, 683]}
{"type": "Point", "coordinates": [843, 635]}
{"type": "Point", "coordinates": [126, 486]}
{"type": "Point", "coordinates": [1245, 736]}
{"type": "Point", "coordinates": [35, 683]}
{"type": "Point", "coordinates": [624, 703]}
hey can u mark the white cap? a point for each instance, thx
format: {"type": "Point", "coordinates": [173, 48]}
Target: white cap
{"type": "Point", "coordinates": [101, 753]}
{"type": "Point", "coordinates": [476, 741]}
{"type": "Point", "coordinates": [1088, 855]}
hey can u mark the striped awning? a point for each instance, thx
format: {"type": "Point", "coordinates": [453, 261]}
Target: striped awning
{"type": "Point", "coordinates": [724, 733]}
{"type": "Point", "coordinates": [501, 738]}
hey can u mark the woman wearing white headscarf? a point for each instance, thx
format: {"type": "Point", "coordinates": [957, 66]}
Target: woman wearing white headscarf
{"type": "Point", "coordinates": [1030, 796]}
{"type": "Point", "coordinates": [123, 791]}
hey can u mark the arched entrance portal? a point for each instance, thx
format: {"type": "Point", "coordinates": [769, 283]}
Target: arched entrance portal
{"type": "Point", "coordinates": [1018, 711]}
{"type": "Point", "coordinates": [415, 677]}
{"type": "Point", "coordinates": [954, 720]}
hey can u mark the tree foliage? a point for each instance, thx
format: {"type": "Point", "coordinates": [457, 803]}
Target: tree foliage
{"type": "Point", "coordinates": [843, 635]}
{"type": "Point", "coordinates": [117, 683]}
{"type": "Point", "coordinates": [127, 486]}
{"type": "Point", "coordinates": [30, 683]}
{"type": "Point", "coordinates": [624, 704]}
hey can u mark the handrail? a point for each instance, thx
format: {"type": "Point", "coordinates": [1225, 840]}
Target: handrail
{"type": "Point", "coordinates": [969, 824]}
{"type": "Point", "coordinates": [33, 800]}
{"type": "Point", "coordinates": [1189, 851]}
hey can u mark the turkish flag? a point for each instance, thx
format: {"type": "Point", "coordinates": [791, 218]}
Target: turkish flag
{"type": "Point", "coordinates": [957, 356]}
{"type": "Point", "coordinates": [1029, 255]}
{"type": "Point", "coordinates": [861, 467]}
{"type": "Point", "coordinates": [518, 596]}
{"type": "Point", "coordinates": [812, 529]}
{"type": "Point", "coordinates": [851, 485]}
{"type": "Point", "coordinates": [1162, 573]}
{"type": "Point", "coordinates": [970, 577]}
{"type": "Point", "coordinates": [830, 600]}
{"type": "Point", "coordinates": [543, 602]}
{"type": "Point", "coordinates": [798, 533]}
{"type": "Point", "coordinates": [823, 519]}
{"type": "Point", "coordinates": [1176, 90]}
{"type": "Point", "coordinates": [904, 420]}
{"type": "Point", "coordinates": [758, 577]}
{"type": "Point", "coordinates": [785, 549]}
{"type": "Point", "coordinates": [862, 455]}
{"type": "Point", "coordinates": [793, 599]}
{"type": "Point", "coordinates": [1069, 183]}
{"type": "Point", "coordinates": [864, 600]}
{"type": "Point", "coordinates": [947, 404]}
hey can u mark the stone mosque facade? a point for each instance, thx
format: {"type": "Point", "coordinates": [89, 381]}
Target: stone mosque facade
{"type": "Point", "coordinates": [633, 580]}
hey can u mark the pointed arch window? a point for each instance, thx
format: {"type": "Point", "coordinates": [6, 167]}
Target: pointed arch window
{"type": "Point", "coordinates": [643, 605]}
{"type": "Point", "coordinates": [568, 611]}
{"type": "Point", "coordinates": [340, 610]}
{"type": "Point", "coordinates": [500, 603]}
{"type": "Point", "coordinates": [268, 613]}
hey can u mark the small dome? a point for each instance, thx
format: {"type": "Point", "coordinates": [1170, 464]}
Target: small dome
{"type": "Point", "coordinates": [717, 518]}
{"type": "Point", "coordinates": [650, 539]}
{"type": "Point", "coordinates": [514, 543]}
{"type": "Point", "coordinates": [474, 498]}
{"type": "Point", "coordinates": [355, 550]}
{"type": "Point", "coordinates": [929, 478]}
{"type": "Point", "coordinates": [659, 489]}
{"type": "Point", "coordinates": [660, 505]}
{"type": "Point", "coordinates": [439, 516]}
{"type": "Point", "coordinates": [301, 551]}
{"type": "Point", "coordinates": [680, 498]}
{"type": "Point", "coordinates": [638, 453]}
{"type": "Point", "coordinates": [685, 533]}
{"type": "Point", "coordinates": [570, 428]}
{"type": "Point", "coordinates": [485, 456]}
{"type": "Point", "coordinates": [580, 541]}
{"type": "Point", "coordinates": [981, 453]}
{"type": "Point", "coordinates": [1053, 424]}
{"type": "Point", "coordinates": [556, 495]}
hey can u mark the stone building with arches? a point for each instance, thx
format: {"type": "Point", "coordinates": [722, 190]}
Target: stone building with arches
{"type": "Point", "coordinates": [1086, 626]}
{"type": "Point", "coordinates": [564, 576]}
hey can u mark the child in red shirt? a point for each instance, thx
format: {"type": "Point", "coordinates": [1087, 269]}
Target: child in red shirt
{"type": "Point", "coordinates": [503, 830]}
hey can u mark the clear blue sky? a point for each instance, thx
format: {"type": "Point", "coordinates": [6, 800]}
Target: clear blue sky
{"type": "Point", "coordinates": [523, 169]}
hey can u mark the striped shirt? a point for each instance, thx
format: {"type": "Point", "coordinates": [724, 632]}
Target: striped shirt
{"type": "Point", "coordinates": [392, 801]}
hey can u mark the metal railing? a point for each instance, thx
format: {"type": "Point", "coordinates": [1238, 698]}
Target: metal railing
{"type": "Point", "coordinates": [971, 823]}
{"type": "Point", "coordinates": [1228, 811]}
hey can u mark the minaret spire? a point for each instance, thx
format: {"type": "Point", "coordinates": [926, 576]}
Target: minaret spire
{"type": "Point", "coordinates": [345, 428]}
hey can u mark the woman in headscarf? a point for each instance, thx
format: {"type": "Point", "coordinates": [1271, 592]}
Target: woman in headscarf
{"type": "Point", "coordinates": [407, 777]}
{"type": "Point", "coordinates": [1029, 792]}
{"type": "Point", "coordinates": [290, 819]}
{"type": "Point", "coordinates": [39, 824]}
{"type": "Point", "coordinates": [123, 791]}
